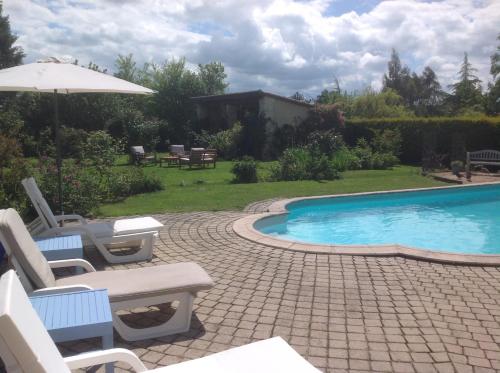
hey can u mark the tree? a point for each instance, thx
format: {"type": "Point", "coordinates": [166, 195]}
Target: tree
{"type": "Point", "coordinates": [341, 99]}
{"type": "Point", "coordinates": [126, 68]}
{"type": "Point", "coordinates": [467, 93]}
{"type": "Point", "coordinates": [399, 79]}
{"type": "Point", "coordinates": [10, 55]}
{"type": "Point", "coordinates": [175, 85]}
{"type": "Point", "coordinates": [383, 104]}
{"type": "Point", "coordinates": [495, 61]}
{"type": "Point", "coordinates": [300, 97]}
{"type": "Point", "coordinates": [493, 97]}
{"type": "Point", "coordinates": [430, 95]}
{"type": "Point", "coordinates": [213, 77]}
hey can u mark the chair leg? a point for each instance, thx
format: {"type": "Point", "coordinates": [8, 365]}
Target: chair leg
{"type": "Point", "coordinates": [144, 253]}
{"type": "Point", "coordinates": [180, 322]}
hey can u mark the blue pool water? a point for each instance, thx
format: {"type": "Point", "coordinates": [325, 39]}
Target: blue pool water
{"type": "Point", "coordinates": [459, 220]}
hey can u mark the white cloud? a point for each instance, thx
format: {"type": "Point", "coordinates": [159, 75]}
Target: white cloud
{"type": "Point", "coordinates": [280, 45]}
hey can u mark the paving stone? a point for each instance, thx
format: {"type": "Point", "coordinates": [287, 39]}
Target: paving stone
{"type": "Point", "coordinates": [342, 313]}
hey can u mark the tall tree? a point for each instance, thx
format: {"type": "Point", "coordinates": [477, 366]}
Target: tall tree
{"type": "Point", "coordinates": [213, 78]}
{"type": "Point", "coordinates": [467, 93]}
{"type": "Point", "coordinates": [10, 55]}
{"type": "Point", "coordinates": [493, 97]}
{"type": "Point", "coordinates": [399, 79]}
{"type": "Point", "coordinates": [429, 93]}
{"type": "Point", "coordinates": [126, 68]}
{"type": "Point", "coordinates": [495, 61]}
{"type": "Point", "coordinates": [175, 85]}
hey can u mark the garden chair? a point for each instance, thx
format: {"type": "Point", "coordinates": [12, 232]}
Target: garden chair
{"type": "Point", "coordinates": [127, 288]}
{"type": "Point", "coordinates": [140, 156]}
{"type": "Point", "coordinates": [210, 156]}
{"type": "Point", "coordinates": [177, 150]}
{"type": "Point", "coordinates": [195, 158]}
{"type": "Point", "coordinates": [130, 233]}
{"type": "Point", "coordinates": [26, 346]}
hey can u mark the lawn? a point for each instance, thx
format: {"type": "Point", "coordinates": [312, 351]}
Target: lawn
{"type": "Point", "coordinates": [211, 189]}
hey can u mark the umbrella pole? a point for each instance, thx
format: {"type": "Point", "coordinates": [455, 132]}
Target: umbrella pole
{"type": "Point", "coordinates": [58, 153]}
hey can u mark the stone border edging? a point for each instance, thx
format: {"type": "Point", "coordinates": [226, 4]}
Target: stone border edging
{"type": "Point", "coordinates": [244, 228]}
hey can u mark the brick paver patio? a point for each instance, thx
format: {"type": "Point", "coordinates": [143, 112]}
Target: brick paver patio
{"type": "Point", "coordinates": [342, 313]}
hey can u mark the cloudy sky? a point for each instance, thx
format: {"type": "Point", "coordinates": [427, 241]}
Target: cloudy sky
{"type": "Point", "coordinates": [281, 46]}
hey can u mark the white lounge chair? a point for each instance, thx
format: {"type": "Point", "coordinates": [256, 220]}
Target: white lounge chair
{"type": "Point", "coordinates": [130, 233]}
{"type": "Point", "coordinates": [127, 289]}
{"type": "Point", "coordinates": [25, 346]}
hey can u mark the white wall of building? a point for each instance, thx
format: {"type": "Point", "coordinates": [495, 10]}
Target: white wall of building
{"type": "Point", "coordinates": [282, 112]}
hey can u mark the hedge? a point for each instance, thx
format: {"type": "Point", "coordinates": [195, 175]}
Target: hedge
{"type": "Point", "coordinates": [451, 136]}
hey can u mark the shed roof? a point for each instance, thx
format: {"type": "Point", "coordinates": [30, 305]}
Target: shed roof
{"type": "Point", "coordinates": [247, 95]}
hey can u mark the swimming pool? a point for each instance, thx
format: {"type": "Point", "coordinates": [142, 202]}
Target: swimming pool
{"type": "Point", "coordinates": [456, 220]}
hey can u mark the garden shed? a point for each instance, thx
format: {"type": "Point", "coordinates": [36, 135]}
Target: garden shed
{"type": "Point", "coordinates": [221, 111]}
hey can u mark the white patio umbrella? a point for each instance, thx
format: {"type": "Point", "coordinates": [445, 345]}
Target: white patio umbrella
{"type": "Point", "coordinates": [63, 78]}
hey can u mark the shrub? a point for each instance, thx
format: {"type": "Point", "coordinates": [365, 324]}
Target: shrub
{"type": "Point", "coordinates": [13, 167]}
{"type": "Point", "coordinates": [130, 181]}
{"type": "Point", "coordinates": [100, 150]}
{"type": "Point", "coordinates": [245, 170]}
{"type": "Point", "coordinates": [456, 167]}
{"type": "Point", "coordinates": [364, 153]}
{"type": "Point", "coordinates": [226, 142]}
{"type": "Point", "coordinates": [326, 142]}
{"type": "Point", "coordinates": [82, 190]}
{"type": "Point", "coordinates": [12, 193]}
{"type": "Point", "coordinates": [72, 142]}
{"type": "Point", "coordinates": [345, 159]}
{"type": "Point", "coordinates": [292, 165]}
{"type": "Point", "coordinates": [304, 164]}
{"type": "Point", "coordinates": [377, 155]}
{"type": "Point", "coordinates": [321, 167]}
{"type": "Point", "coordinates": [382, 161]}
{"type": "Point", "coordinates": [145, 132]}
{"type": "Point", "coordinates": [387, 141]}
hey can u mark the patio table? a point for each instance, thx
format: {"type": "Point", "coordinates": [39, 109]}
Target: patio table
{"type": "Point", "coordinates": [77, 315]}
{"type": "Point", "coordinates": [171, 160]}
{"type": "Point", "coordinates": [62, 247]}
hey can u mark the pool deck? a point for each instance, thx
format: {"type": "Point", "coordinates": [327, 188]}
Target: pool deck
{"type": "Point", "coordinates": [477, 178]}
{"type": "Point", "coordinates": [343, 313]}
{"type": "Point", "coordinates": [244, 228]}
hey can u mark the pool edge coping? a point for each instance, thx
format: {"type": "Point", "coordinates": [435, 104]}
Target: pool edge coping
{"type": "Point", "coordinates": [244, 227]}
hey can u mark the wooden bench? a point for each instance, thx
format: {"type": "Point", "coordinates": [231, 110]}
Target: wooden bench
{"type": "Point", "coordinates": [483, 158]}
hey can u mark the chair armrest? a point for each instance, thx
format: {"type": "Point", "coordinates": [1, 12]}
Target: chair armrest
{"type": "Point", "coordinates": [72, 263]}
{"type": "Point", "coordinates": [69, 229]}
{"type": "Point", "coordinates": [60, 290]}
{"type": "Point", "coordinates": [88, 359]}
{"type": "Point", "coordinates": [63, 218]}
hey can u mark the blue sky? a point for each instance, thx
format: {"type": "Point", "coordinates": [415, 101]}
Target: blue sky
{"type": "Point", "coordinates": [280, 46]}
{"type": "Point", "coordinates": [338, 7]}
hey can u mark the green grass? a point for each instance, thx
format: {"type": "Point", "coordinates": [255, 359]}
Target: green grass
{"type": "Point", "coordinates": [211, 189]}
